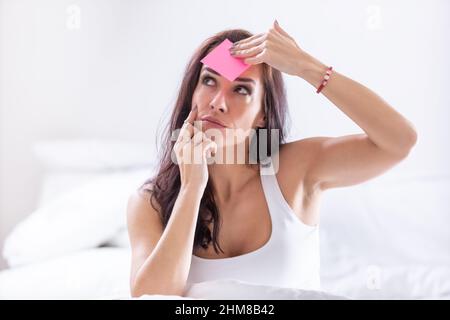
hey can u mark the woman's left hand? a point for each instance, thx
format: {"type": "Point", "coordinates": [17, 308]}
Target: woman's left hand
{"type": "Point", "coordinates": [275, 47]}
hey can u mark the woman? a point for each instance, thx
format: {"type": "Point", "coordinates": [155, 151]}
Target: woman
{"type": "Point", "coordinates": [254, 222]}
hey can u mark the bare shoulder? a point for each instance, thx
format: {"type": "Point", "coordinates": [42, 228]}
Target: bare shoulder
{"type": "Point", "coordinates": [295, 160]}
{"type": "Point", "coordinates": [140, 197]}
{"type": "Point", "coordinates": [142, 218]}
{"type": "Point", "coordinates": [300, 194]}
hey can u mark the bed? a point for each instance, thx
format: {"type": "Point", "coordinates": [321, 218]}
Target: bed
{"type": "Point", "coordinates": [379, 240]}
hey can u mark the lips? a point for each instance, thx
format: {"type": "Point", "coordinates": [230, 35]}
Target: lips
{"type": "Point", "coordinates": [213, 120]}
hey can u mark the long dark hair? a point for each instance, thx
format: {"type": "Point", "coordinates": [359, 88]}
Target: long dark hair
{"type": "Point", "coordinates": [165, 185]}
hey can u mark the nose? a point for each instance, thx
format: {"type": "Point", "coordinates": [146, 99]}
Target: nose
{"type": "Point", "coordinates": [219, 102]}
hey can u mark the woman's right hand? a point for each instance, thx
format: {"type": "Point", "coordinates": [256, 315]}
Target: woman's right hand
{"type": "Point", "coordinates": [190, 142]}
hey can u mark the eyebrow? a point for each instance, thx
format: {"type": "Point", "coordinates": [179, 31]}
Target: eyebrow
{"type": "Point", "coordinates": [237, 79]}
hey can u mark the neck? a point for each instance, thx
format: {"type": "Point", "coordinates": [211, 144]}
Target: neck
{"type": "Point", "coordinates": [228, 180]}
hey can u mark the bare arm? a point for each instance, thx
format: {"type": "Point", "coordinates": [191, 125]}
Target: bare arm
{"type": "Point", "coordinates": [352, 159]}
{"type": "Point", "coordinates": [385, 127]}
{"type": "Point", "coordinates": [336, 161]}
{"type": "Point", "coordinates": [161, 259]}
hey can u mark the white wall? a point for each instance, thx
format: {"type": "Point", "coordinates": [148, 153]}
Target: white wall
{"type": "Point", "coordinates": [117, 74]}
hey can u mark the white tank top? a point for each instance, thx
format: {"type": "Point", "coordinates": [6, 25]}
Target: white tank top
{"type": "Point", "coordinates": [291, 257]}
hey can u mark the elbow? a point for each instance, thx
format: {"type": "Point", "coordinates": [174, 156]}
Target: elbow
{"type": "Point", "coordinates": [138, 290]}
{"type": "Point", "coordinates": [411, 141]}
{"type": "Point", "coordinates": [414, 137]}
{"type": "Point", "coordinates": [405, 144]}
{"type": "Point", "coordinates": [135, 293]}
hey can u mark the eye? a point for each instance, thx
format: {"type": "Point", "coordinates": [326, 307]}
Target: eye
{"type": "Point", "coordinates": [246, 91]}
{"type": "Point", "coordinates": [243, 90]}
{"type": "Point", "coordinates": [206, 78]}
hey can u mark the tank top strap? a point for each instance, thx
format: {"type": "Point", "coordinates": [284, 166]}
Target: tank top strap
{"type": "Point", "coordinates": [279, 208]}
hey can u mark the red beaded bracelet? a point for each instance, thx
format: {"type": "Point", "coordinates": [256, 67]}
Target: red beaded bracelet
{"type": "Point", "coordinates": [325, 79]}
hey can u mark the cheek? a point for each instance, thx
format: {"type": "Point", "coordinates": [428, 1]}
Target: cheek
{"type": "Point", "coordinates": [202, 93]}
{"type": "Point", "coordinates": [242, 110]}
{"type": "Point", "coordinates": [202, 98]}
{"type": "Point", "coordinates": [246, 116]}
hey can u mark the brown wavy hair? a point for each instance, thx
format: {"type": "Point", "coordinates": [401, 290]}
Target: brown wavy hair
{"type": "Point", "coordinates": [165, 185]}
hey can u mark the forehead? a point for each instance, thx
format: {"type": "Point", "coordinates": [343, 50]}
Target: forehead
{"type": "Point", "coordinates": [253, 72]}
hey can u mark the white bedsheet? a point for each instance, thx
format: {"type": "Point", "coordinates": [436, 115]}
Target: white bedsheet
{"type": "Point", "coordinates": [103, 273]}
{"type": "Point", "coordinates": [100, 273]}
{"type": "Point", "coordinates": [383, 242]}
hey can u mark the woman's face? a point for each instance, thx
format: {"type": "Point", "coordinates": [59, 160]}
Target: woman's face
{"type": "Point", "coordinates": [237, 104]}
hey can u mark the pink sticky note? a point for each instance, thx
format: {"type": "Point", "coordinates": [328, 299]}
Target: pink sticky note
{"type": "Point", "coordinates": [220, 60]}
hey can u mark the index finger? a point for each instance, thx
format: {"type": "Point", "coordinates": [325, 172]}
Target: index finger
{"type": "Point", "coordinates": [192, 115]}
{"type": "Point", "coordinates": [187, 130]}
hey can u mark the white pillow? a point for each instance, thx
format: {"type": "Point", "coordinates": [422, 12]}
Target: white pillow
{"type": "Point", "coordinates": [83, 218]}
{"type": "Point", "coordinates": [400, 222]}
{"type": "Point", "coordinates": [120, 239]}
{"type": "Point", "coordinates": [57, 183]}
{"type": "Point", "coordinates": [93, 154]}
